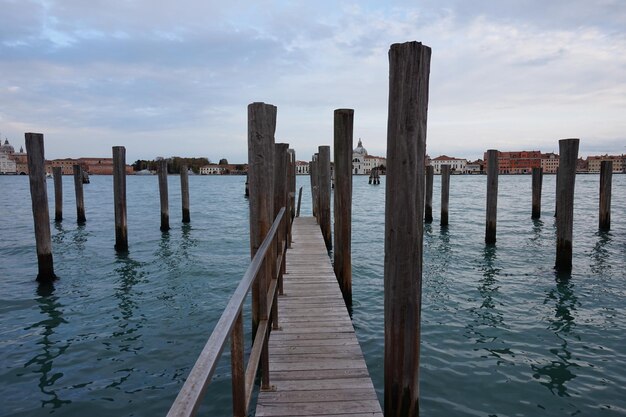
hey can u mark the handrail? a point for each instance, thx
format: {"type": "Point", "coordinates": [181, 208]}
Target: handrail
{"type": "Point", "coordinates": [189, 398]}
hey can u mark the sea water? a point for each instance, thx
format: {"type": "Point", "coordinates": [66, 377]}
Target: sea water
{"type": "Point", "coordinates": [502, 335]}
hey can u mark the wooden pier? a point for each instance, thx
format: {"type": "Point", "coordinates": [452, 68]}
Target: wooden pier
{"type": "Point", "coordinates": [316, 364]}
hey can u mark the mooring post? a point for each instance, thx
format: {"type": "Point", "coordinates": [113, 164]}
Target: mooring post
{"type": "Point", "coordinates": [80, 199]}
{"type": "Point", "coordinates": [342, 205]}
{"type": "Point", "coordinates": [313, 175]}
{"type": "Point", "coordinates": [556, 191]}
{"type": "Point", "coordinates": [291, 192]}
{"type": "Point", "coordinates": [445, 193]}
{"type": "Point", "coordinates": [537, 182]}
{"type": "Point", "coordinates": [606, 180]}
{"type": "Point", "coordinates": [281, 195]}
{"type": "Point", "coordinates": [568, 154]}
{"type": "Point", "coordinates": [324, 194]}
{"type": "Point", "coordinates": [58, 193]}
{"type": "Point", "coordinates": [492, 196]}
{"type": "Point", "coordinates": [299, 201]}
{"type": "Point", "coordinates": [428, 209]}
{"type": "Point", "coordinates": [119, 198]}
{"type": "Point", "coordinates": [261, 129]}
{"type": "Point", "coordinates": [247, 192]}
{"type": "Point", "coordinates": [409, 68]}
{"type": "Point", "coordinates": [39, 198]}
{"type": "Point", "coordinates": [165, 209]}
{"type": "Point", "coordinates": [184, 192]}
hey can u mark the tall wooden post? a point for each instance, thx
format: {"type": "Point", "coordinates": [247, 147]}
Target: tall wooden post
{"type": "Point", "coordinates": [299, 201]}
{"type": "Point", "coordinates": [80, 199]}
{"type": "Point", "coordinates": [606, 180]}
{"type": "Point", "coordinates": [343, 136]}
{"type": "Point", "coordinates": [409, 68]}
{"type": "Point", "coordinates": [58, 193]}
{"type": "Point", "coordinates": [568, 154]}
{"type": "Point", "coordinates": [492, 196]}
{"type": "Point", "coordinates": [537, 183]}
{"type": "Point", "coordinates": [165, 209]}
{"type": "Point", "coordinates": [291, 192]}
{"type": "Point", "coordinates": [315, 186]}
{"type": "Point", "coordinates": [281, 187]}
{"type": "Point", "coordinates": [261, 129]}
{"type": "Point", "coordinates": [428, 210]}
{"type": "Point", "coordinates": [184, 192]}
{"type": "Point", "coordinates": [324, 194]}
{"type": "Point", "coordinates": [39, 198]}
{"type": "Point", "coordinates": [445, 193]}
{"type": "Point", "coordinates": [119, 198]}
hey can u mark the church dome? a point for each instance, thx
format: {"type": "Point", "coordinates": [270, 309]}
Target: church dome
{"type": "Point", "coordinates": [7, 148]}
{"type": "Point", "coordinates": [360, 149]}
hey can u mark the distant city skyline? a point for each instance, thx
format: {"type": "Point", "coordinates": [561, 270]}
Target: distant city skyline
{"type": "Point", "coordinates": [176, 79]}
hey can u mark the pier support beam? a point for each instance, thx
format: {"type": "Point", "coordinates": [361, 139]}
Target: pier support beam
{"type": "Point", "coordinates": [568, 154]}
{"type": "Point", "coordinates": [342, 205]}
{"type": "Point", "coordinates": [57, 174]}
{"type": "Point", "coordinates": [492, 196]}
{"type": "Point", "coordinates": [165, 209]}
{"type": "Point", "coordinates": [606, 180]}
{"type": "Point", "coordinates": [324, 194]}
{"type": "Point", "coordinates": [80, 199]}
{"type": "Point", "coordinates": [409, 68]}
{"type": "Point", "coordinates": [537, 182]}
{"type": "Point", "coordinates": [39, 198]}
{"type": "Point", "coordinates": [119, 198]}
{"type": "Point", "coordinates": [445, 193]}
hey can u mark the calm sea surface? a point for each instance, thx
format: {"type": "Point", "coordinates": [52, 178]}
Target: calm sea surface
{"type": "Point", "coordinates": [501, 334]}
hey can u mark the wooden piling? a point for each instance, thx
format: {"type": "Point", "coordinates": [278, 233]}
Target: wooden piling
{"type": "Point", "coordinates": [492, 196]}
{"type": "Point", "coordinates": [537, 182]}
{"type": "Point", "coordinates": [428, 208]}
{"type": "Point", "coordinates": [445, 193]}
{"type": "Point", "coordinates": [184, 191]}
{"type": "Point", "coordinates": [606, 180]}
{"type": "Point", "coordinates": [292, 181]}
{"type": "Point", "coordinates": [119, 198]}
{"type": "Point", "coordinates": [80, 199]}
{"type": "Point", "coordinates": [343, 136]}
{"type": "Point", "coordinates": [165, 209]}
{"type": "Point", "coordinates": [57, 174]}
{"type": "Point", "coordinates": [299, 201]}
{"type": "Point", "coordinates": [281, 184]}
{"type": "Point", "coordinates": [324, 194]}
{"type": "Point", "coordinates": [409, 67]}
{"type": "Point", "coordinates": [568, 154]}
{"type": "Point", "coordinates": [261, 129]}
{"type": "Point", "coordinates": [313, 175]}
{"type": "Point", "coordinates": [556, 191]}
{"type": "Point", "coordinates": [39, 198]}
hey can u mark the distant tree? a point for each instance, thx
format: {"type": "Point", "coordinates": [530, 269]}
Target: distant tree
{"type": "Point", "coordinates": [223, 161]}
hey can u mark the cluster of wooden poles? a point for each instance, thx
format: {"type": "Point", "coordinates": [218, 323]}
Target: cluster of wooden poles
{"type": "Point", "coordinates": [39, 197]}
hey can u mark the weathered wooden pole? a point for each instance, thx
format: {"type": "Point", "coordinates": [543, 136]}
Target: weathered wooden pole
{"type": "Point", "coordinates": [292, 181]}
{"type": "Point", "coordinates": [428, 209]}
{"type": "Point", "coordinates": [409, 68]}
{"type": "Point", "coordinates": [342, 205]}
{"type": "Point", "coordinates": [281, 188]}
{"type": "Point", "coordinates": [184, 191]}
{"type": "Point", "coordinates": [119, 198]}
{"type": "Point", "coordinates": [58, 193]}
{"type": "Point", "coordinates": [606, 180]}
{"type": "Point", "coordinates": [568, 154]}
{"type": "Point", "coordinates": [537, 182]}
{"type": "Point", "coordinates": [313, 177]}
{"type": "Point", "coordinates": [261, 129]}
{"type": "Point", "coordinates": [492, 196]}
{"type": "Point", "coordinates": [80, 199]}
{"type": "Point", "coordinates": [445, 193]}
{"type": "Point", "coordinates": [165, 209]}
{"type": "Point", "coordinates": [556, 191]}
{"type": "Point", "coordinates": [315, 186]}
{"type": "Point", "coordinates": [39, 198]}
{"type": "Point", "coordinates": [324, 194]}
{"type": "Point", "coordinates": [299, 201]}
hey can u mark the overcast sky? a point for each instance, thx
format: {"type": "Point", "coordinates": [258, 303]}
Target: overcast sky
{"type": "Point", "coordinates": [174, 78]}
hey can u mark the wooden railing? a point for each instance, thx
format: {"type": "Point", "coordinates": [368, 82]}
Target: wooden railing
{"type": "Point", "coordinates": [230, 325]}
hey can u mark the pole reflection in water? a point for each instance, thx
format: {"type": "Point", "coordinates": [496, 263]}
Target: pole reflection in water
{"type": "Point", "coordinates": [440, 254]}
{"type": "Point", "coordinates": [560, 370]}
{"type": "Point", "coordinates": [600, 259]}
{"type": "Point", "coordinates": [42, 363]}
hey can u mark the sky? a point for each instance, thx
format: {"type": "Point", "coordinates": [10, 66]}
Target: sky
{"type": "Point", "coordinates": [175, 78]}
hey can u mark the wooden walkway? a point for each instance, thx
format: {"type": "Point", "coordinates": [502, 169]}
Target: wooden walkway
{"type": "Point", "coordinates": [316, 363]}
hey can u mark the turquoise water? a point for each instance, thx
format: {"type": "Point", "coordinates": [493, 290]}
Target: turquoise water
{"type": "Point", "coordinates": [501, 334]}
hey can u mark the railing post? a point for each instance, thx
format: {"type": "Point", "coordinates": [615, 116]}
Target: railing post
{"type": "Point", "coordinates": [536, 185]}
{"type": "Point", "coordinates": [39, 198]}
{"type": "Point", "coordinates": [238, 368]}
{"type": "Point", "coordinates": [445, 193]}
{"type": "Point", "coordinates": [165, 209]}
{"type": "Point", "coordinates": [119, 198]}
{"type": "Point", "coordinates": [428, 210]}
{"type": "Point", "coordinates": [80, 200]}
{"type": "Point", "coordinates": [606, 180]}
{"type": "Point", "coordinates": [492, 196]}
{"type": "Point", "coordinates": [343, 136]}
{"type": "Point", "coordinates": [409, 67]}
{"type": "Point", "coordinates": [568, 154]}
{"type": "Point", "coordinates": [299, 201]}
{"type": "Point", "coordinates": [324, 194]}
{"type": "Point", "coordinates": [184, 192]}
{"type": "Point", "coordinates": [58, 193]}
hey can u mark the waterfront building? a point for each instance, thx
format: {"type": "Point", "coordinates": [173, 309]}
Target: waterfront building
{"type": "Point", "coordinates": [582, 166]}
{"type": "Point", "coordinates": [517, 162]}
{"type": "Point", "coordinates": [363, 163]}
{"type": "Point", "coordinates": [475, 167]}
{"type": "Point", "coordinates": [457, 165]}
{"type": "Point", "coordinates": [549, 162]}
{"type": "Point", "coordinates": [302, 168]}
{"type": "Point", "coordinates": [7, 161]}
{"type": "Point", "coordinates": [224, 169]}
{"type": "Point", "coordinates": [593, 162]}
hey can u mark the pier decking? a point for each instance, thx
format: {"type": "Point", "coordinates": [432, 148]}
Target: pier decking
{"type": "Point", "coordinates": [316, 364]}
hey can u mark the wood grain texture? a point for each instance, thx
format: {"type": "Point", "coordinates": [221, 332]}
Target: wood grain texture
{"type": "Point", "coordinates": [80, 199]}
{"type": "Point", "coordinates": [428, 207]}
{"type": "Point", "coordinates": [537, 182]}
{"type": "Point", "coordinates": [165, 210]}
{"type": "Point", "coordinates": [492, 196]}
{"type": "Point", "coordinates": [316, 364]}
{"type": "Point", "coordinates": [445, 194]}
{"type": "Point", "coordinates": [184, 193]}
{"type": "Point", "coordinates": [119, 198]}
{"type": "Point", "coordinates": [58, 193]}
{"type": "Point", "coordinates": [324, 187]}
{"type": "Point", "coordinates": [568, 154]}
{"type": "Point", "coordinates": [606, 180]}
